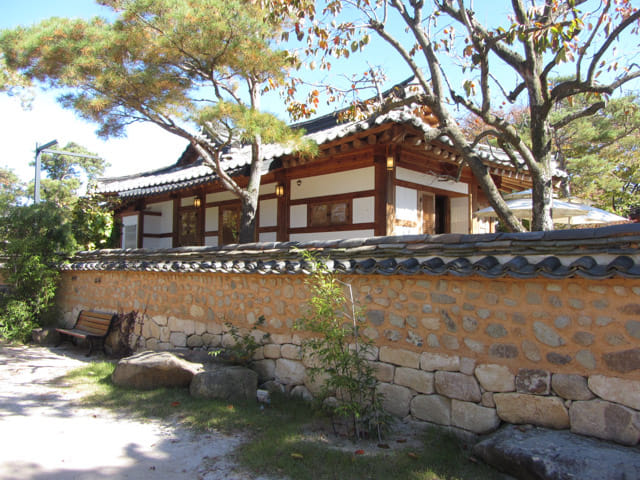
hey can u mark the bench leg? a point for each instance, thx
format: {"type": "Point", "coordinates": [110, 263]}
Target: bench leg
{"type": "Point", "coordinates": [90, 346]}
{"type": "Point", "coordinates": [63, 337]}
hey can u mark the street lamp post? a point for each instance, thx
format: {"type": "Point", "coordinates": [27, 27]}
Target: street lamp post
{"type": "Point", "coordinates": [39, 149]}
{"type": "Point", "coordinates": [46, 148]}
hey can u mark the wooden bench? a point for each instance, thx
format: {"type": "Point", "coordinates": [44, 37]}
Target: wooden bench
{"type": "Point", "coordinates": [92, 326]}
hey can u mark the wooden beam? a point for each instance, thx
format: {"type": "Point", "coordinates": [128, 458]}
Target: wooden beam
{"type": "Point", "coordinates": [381, 194]}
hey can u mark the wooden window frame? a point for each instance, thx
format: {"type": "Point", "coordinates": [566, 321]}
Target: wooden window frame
{"type": "Point", "coordinates": [347, 202]}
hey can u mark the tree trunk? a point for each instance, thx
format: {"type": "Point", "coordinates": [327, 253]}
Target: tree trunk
{"type": "Point", "coordinates": [542, 197]}
{"type": "Point", "coordinates": [542, 174]}
{"type": "Point", "coordinates": [250, 199]}
{"type": "Point", "coordinates": [248, 219]}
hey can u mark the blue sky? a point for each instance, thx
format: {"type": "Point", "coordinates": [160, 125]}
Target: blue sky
{"type": "Point", "coordinates": [146, 146]}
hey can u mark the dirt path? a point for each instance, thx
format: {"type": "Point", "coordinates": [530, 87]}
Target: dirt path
{"type": "Point", "coordinates": [44, 435]}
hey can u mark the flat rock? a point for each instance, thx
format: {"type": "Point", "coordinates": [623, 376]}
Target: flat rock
{"type": "Point", "coordinates": [541, 454]}
{"type": "Point", "coordinates": [458, 385]}
{"type": "Point", "coordinates": [149, 370]}
{"type": "Point", "coordinates": [605, 420]}
{"type": "Point", "coordinates": [495, 378]}
{"type": "Point", "coordinates": [520, 408]}
{"type": "Point", "coordinates": [231, 383]}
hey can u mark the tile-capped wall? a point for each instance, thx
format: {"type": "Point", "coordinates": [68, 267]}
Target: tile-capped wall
{"type": "Point", "coordinates": [467, 352]}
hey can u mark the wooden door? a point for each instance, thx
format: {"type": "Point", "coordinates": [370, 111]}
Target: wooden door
{"type": "Point", "coordinates": [229, 224]}
{"type": "Point", "coordinates": [189, 229]}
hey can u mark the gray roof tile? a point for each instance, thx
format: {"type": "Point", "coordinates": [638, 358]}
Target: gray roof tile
{"type": "Point", "coordinates": [545, 254]}
{"type": "Point", "coordinates": [237, 158]}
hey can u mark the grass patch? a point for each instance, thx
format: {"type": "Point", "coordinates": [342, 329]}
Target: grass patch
{"type": "Point", "coordinates": [279, 444]}
{"type": "Point", "coordinates": [289, 453]}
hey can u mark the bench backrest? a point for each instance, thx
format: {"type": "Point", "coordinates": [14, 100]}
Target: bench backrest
{"type": "Point", "coordinates": [95, 323]}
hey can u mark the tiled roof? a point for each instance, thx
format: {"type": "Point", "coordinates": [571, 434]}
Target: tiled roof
{"type": "Point", "coordinates": [590, 253]}
{"type": "Point", "coordinates": [321, 130]}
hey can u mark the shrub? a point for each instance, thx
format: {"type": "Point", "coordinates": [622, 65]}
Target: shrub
{"type": "Point", "coordinates": [340, 352]}
{"type": "Point", "coordinates": [244, 345]}
{"type": "Point", "coordinates": [16, 321]}
{"type": "Point", "coordinates": [35, 241]}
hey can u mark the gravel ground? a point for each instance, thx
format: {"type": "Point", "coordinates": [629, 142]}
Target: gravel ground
{"type": "Point", "coordinates": [44, 434]}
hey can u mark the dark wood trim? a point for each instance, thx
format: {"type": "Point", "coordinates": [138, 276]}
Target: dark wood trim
{"type": "Point", "coordinates": [282, 214]}
{"type": "Point", "coordinates": [381, 193]}
{"type": "Point", "coordinates": [334, 198]}
{"type": "Point", "coordinates": [211, 233]}
{"type": "Point", "coordinates": [334, 228]}
{"type": "Point", "coordinates": [188, 207]}
{"type": "Point", "coordinates": [267, 229]}
{"type": "Point", "coordinates": [158, 235]}
{"type": "Point", "coordinates": [424, 188]}
{"type": "Point", "coordinates": [425, 161]}
{"type": "Point", "coordinates": [176, 208]}
{"type": "Point", "coordinates": [224, 203]}
{"type": "Point", "coordinates": [130, 213]}
{"type": "Point", "coordinates": [149, 213]}
{"type": "Point", "coordinates": [390, 206]}
{"type": "Point", "coordinates": [140, 231]}
{"type": "Point", "coordinates": [202, 210]}
{"type": "Point", "coordinates": [268, 196]}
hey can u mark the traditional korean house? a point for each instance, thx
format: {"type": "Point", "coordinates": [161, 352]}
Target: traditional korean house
{"type": "Point", "coordinates": [372, 177]}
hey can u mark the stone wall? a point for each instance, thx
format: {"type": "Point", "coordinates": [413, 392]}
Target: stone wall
{"type": "Point", "coordinates": [469, 351]}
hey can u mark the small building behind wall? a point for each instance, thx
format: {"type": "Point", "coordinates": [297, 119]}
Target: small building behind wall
{"type": "Point", "coordinates": [370, 178]}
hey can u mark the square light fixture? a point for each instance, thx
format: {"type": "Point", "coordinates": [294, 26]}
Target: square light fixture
{"type": "Point", "coordinates": [279, 190]}
{"type": "Point", "coordinates": [197, 202]}
{"type": "Point", "coordinates": [390, 162]}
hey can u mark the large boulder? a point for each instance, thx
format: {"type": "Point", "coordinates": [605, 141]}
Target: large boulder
{"type": "Point", "coordinates": [232, 383]}
{"type": "Point", "coordinates": [149, 370]}
{"type": "Point", "coordinates": [541, 454]}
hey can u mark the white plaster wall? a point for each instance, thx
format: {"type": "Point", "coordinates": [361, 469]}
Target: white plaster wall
{"type": "Point", "coordinates": [220, 197]}
{"type": "Point", "coordinates": [298, 216]}
{"type": "Point", "coordinates": [269, 213]}
{"type": "Point", "coordinates": [268, 189]}
{"type": "Point", "coordinates": [211, 241]}
{"type": "Point", "coordinates": [211, 219]}
{"type": "Point", "coordinates": [268, 237]}
{"type": "Point", "coordinates": [398, 230]}
{"type": "Point", "coordinates": [363, 210]}
{"type": "Point", "coordinates": [333, 183]}
{"type": "Point", "coordinates": [156, 242]}
{"type": "Point", "coordinates": [323, 236]}
{"type": "Point", "coordinates": [406, 204]}
{"type": "Point", "coordinates": [187, 201]}
{"type": "Point", "coordinates": [459, 214]}
{"type": "Point", "coordinates": [430, 180]}
{"type": "Point", "coordinates": [159, 224]}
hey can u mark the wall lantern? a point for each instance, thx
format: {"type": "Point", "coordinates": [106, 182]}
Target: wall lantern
{"type": "Point", "coordinates": [390, 162]}
{"type": "Point", "coordinates": [197, 202]}
{"type": "Point", "coordinates": [279, 190]}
